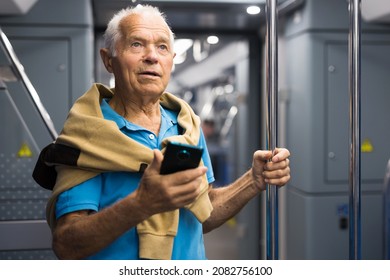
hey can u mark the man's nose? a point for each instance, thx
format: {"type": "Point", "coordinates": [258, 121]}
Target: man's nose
{"type": "Point", "coordinates": [151, 54]}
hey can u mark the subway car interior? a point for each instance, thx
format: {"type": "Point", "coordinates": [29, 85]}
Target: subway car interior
{"type": "Point", "coordinates": [49, 57]}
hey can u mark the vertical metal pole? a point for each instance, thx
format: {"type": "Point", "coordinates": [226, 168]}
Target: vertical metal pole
{"type": "Point", "coordinates": [354, 108]}
{"type": "Point", "coordinates": [272, 124]}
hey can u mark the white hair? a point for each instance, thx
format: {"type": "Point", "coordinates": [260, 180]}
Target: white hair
{"type": "Point", "coordinates": [113, 33]}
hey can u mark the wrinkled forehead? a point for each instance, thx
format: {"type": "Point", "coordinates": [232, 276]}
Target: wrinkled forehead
{"type": "Point", "coordinates": [144, 23]}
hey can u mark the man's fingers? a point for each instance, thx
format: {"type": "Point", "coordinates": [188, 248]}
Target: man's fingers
{"type": "Point", "coordinates": [280, 154]}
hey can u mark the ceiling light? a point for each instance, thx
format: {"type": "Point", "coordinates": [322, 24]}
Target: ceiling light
{"type": "Point", "coordinates": [212, 40]}
{"type": "Point", "coordinates": [181, 46]}
{"type": "Point", "coordinates": [253, 10]}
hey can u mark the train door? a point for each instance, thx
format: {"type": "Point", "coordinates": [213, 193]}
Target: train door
{"type": "Point", "coordinates": [54, 52]}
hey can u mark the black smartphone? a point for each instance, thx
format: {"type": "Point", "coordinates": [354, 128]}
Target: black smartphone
{"type": "Point", "coordinates": [180, 157]}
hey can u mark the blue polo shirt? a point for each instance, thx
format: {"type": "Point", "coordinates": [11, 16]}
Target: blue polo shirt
{"type": "Point", "coordinates": [107, 188]}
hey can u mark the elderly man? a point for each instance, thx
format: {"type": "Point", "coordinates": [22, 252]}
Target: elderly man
{"type": "Point", "coordinates": [109, 199]}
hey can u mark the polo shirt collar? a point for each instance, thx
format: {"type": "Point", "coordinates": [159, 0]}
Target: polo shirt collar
{"type": "Point", "coordinates": [167, 118]}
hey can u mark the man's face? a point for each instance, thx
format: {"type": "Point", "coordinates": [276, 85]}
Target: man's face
{"type": "Point", "coordinates": [144, 59]}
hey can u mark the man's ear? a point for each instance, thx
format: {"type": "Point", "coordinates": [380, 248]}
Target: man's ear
{"type": "Point", "coordinates": [105, 54]}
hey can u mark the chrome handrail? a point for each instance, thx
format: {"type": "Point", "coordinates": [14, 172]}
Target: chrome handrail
{"type": "Point", "coordinates": [19, 69]}
{"type": "Point", "coordinates": [354, 51]}
{"type": "Point", "coordinates": [272, 125]}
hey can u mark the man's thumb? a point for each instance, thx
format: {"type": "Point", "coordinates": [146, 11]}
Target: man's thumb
{"type": "Point", "coordinates": [262, 155]}
{"type": "Point", "coordinates": [157, 159]}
